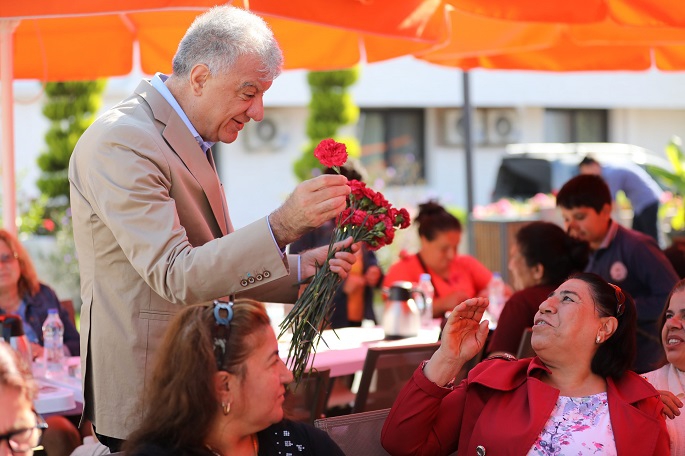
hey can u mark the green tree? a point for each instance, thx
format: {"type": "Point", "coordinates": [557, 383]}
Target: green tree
{"type": "Point", "coordinates": [70, 107]}
{"type": "Point", "coordinates": [330, 108]}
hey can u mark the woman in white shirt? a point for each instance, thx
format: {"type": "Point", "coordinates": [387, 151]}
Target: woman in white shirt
{"type": "Point", "coordinates": [670, 378]}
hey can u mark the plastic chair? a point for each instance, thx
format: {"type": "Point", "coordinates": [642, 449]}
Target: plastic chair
{"type": "Point", "coordinates": [307, 400]}
{"type": "Point", "coordinates": [357, 433]}
{"type": "Point", "coordinates": [525, 348]}
{"type": "Point", "coordinates": [386, 370]}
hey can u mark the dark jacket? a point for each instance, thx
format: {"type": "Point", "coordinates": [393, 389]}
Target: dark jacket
{"type": "Point", "coordinates": [299, 439]}
{"type": "Point", "coordinates": [634, 262]}
{"type": "Point", "coordinates": [37, 311]}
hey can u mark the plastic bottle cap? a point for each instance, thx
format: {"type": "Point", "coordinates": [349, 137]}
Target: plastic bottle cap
{"type": "Point", "coordinates": [52, 311]}
{"type": "Point", "coordinates": [425, 276]}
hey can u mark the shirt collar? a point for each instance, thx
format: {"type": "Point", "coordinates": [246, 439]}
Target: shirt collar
{"type": "Point", "coordinates": [611, 234]}
{"type": "Point", "coordinates": [157, 82]}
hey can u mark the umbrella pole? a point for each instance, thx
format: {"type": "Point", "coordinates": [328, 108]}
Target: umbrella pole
{"type": "Point", "coordinates": [7, 111]}
{"type": "Point", "coordinates": [468, 152]}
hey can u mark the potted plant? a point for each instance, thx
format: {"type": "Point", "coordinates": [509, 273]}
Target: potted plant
{"type": "Point", "coordinates": [673, 180]}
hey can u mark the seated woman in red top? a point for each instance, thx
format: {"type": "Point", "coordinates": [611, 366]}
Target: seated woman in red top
{"type": "Point", "coordinates": [576, 397]}
{"type": "Point", "coordinates": [455, 277]}
{"type": "Point", "coordinates": [541, 258]}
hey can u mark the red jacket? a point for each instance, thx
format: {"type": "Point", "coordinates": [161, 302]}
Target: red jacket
{"type": "Point", "coordinates": [502, 407]}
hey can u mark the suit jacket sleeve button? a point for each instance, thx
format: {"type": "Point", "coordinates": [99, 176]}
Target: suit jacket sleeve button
{"type": "Point", "coordinates": [243, 282]}
{"type": "Point", "coordinates": [259, 277]}
{"type": "Point", "coordinates": [251, 280]}
{"type": "Point", "coordinates": [266, 274]}
{"type": "Point", "coordinates": [480, 450]}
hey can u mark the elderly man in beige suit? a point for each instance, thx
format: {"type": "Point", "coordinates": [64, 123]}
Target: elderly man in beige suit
{"type": "Point", "coordinates": [151, 224]}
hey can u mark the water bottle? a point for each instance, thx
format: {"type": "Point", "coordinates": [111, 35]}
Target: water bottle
{"type": "Point", "coordinates": [496, 296]}
{"type": "Point", "coordinates": [53, 340]}
{"type": "Point", "coordinates": [425, 286]}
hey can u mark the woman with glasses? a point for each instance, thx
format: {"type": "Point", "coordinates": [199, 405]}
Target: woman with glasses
{"type": "Point", "coordinates": [577, 396]}
{"type": "Point", "coordinates": [218, 388]}
{"type": "Point", "coordinates": [22, 294]}
{"type": "Point", "coordinates": [20, 427]}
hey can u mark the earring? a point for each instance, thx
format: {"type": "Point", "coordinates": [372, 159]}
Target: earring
{"type": "Point", "coordinates": [598, 338]}
{"type": "Point", "coordinates": [227, 407]}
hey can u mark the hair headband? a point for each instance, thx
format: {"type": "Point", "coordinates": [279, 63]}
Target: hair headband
{"type": "Point", "coordinates": [620, 299]}
{"type": "Point", "coordinates": [223, 314]}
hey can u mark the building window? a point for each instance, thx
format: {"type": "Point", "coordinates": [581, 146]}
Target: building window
{"type": "Point", "coordinates": [576, 125]}
{"type": "Point", "coordinates": [392, 145]}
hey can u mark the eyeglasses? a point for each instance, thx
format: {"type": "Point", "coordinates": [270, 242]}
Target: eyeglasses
{"type": "Point", "coordinates": [7, 258]}
{"type": "Point", "coordinates": [24, 440]}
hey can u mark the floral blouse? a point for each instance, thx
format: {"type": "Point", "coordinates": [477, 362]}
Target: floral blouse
{"type": "Point", "coordinates": [577, 426]}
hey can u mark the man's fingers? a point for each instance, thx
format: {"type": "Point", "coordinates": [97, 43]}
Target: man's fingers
{"type": "Point", "coordinates": [324, 181]}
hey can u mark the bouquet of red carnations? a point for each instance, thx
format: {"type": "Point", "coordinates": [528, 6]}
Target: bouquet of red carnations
{"type": "Point", "coordinates": [370, 218]}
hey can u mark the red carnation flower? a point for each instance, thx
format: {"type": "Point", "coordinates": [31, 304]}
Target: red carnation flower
{"type": "Point", "coordinates": [331, 153]}
{"type": "Point", "coordinates": [405, 221]}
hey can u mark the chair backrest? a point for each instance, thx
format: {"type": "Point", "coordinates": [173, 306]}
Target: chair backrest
{"type": "Point", "coordinates": [525, 348]}
{"type": "Point", "coordinates": [357, 433]}
{"type": "Point", "coordinates": [68, 305]}
{"type": "Point", "coordinates": [386, 370]}
{"type": "Point", "coordinates": [306, 401]}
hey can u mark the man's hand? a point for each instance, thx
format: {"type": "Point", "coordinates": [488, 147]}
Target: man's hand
{"type": "Point", "coordinates": [312, 203]}
{"type": "Point", "coordinates": [341, 263]}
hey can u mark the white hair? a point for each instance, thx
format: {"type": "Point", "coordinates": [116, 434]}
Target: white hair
{"type": "Point", "coordinates": [220, 36]}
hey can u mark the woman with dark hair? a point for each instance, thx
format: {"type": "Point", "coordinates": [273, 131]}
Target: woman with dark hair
{"type": "Point", "coordinates": [541, 258]}
{"type": "Point", "coordinates": [218, 387]}
{"type": "Point", "coordinates": [576, 396]}
{"type": "Point", "coordinates": [455, 277]}
{"type": "Point", "coordinates": [670, 378]}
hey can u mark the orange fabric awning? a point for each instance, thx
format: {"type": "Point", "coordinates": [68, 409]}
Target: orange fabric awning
{"type": "Point", "coordinates": [55, 40]}
{"type": "Point", "coordinates": [481, 42]}
{"type": "Point", "coordinates": [645, 13]}
{"type": "Point", "coordinates": [82, 39]}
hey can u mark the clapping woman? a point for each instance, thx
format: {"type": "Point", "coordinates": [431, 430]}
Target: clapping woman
{"type": "Point", "coordinates": [576, 397]}
{"type": "Point", "coordinates": [670, 378]}
{"type": "Point", "coordinates": [218, 388]}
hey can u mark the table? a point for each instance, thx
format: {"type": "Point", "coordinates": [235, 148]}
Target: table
{"type": "Point", "coordinates": [343, 352]}
{"type": "Point", "coordinates": [62, 396]}
{"type": "Point", "coordinates": [346, 353]}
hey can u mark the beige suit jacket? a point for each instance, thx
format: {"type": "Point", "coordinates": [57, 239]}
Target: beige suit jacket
{"type": "Point", "coordinates": [151, 230]}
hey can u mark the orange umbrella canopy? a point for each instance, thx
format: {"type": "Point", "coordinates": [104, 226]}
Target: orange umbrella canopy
{"type": "Point", "coordinates": [486, 42]}
{"type": "Point", "coordinates": [85, 39]}
{"type": "Point", "coordinates": [647, 13]}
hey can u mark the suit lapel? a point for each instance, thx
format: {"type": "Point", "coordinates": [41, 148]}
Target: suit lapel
{"type": "Point", "coordinates": [179, 138]}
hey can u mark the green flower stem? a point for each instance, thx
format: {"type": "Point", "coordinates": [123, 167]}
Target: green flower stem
{"type": "Point", "coordinates": [313, 309]}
